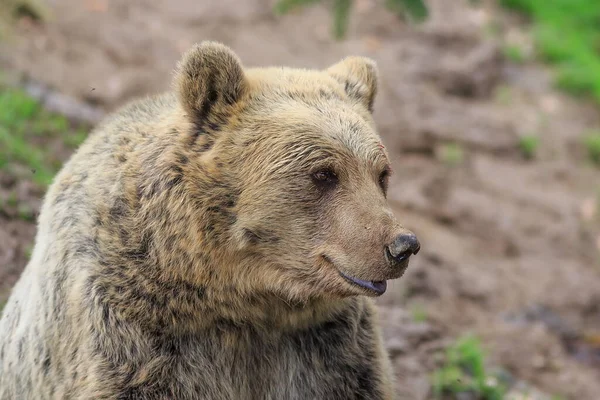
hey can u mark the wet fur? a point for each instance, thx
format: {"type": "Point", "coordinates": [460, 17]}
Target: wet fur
{"type": "Point", "coordinates": [155, 275]}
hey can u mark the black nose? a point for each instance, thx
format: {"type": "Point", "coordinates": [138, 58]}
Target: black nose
{"type": "Point", "coordinates": [404, 246]}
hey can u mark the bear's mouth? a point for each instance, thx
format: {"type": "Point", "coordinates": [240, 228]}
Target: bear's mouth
{"type": "Point", "coordinates": [378, 287]}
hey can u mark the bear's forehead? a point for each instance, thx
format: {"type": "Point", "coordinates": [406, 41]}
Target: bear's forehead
{"type": "Point", "coordinates": [299, 109]}
{"type": "Point", "coordinates": [289, 77]}
{"type": "Point", "coordinates": [285, 84]}
{"type": "Point", "coordinates": [307, 95]}
{"type": "Point", "coordinates": [300, 130]}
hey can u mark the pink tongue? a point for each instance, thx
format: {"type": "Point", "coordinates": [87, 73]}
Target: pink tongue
{"type": "Point", "coordinates": [379, 286]}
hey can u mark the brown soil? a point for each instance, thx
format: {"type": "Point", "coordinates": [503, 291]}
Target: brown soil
{"type": "Point", "coordinates": [511, 247]}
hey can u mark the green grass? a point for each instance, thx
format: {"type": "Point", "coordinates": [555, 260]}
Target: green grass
{"type": "Point", "coordinates": [515, 54]}
{"type": "Point", "coordinates": [11, 10]}
{"type": "Point", "coordinates": [28, 250]}
{"type": "Point", "coordinates": [451, 154]}
{"type": "Point", "coordinates": [412, 9]}
{"type": "Point", "coordinates": [26, 213]}
{"type": "Point", "coordinates": [26, 129]}
{"type": "Point", "coordinates": [419, 314]}
{"type": "Point", "coordinates": [503, 94]}
{"type": "Point", "coordinates": [12, 200]}
{"type": "Point", "coordinates": [528, 145]}
{"type": "Point", "coordinates": [464, 372]}
{"type": "Point", "coordinates": [591, 142]}
{"type": "Point", "coordinates": [567, 34]}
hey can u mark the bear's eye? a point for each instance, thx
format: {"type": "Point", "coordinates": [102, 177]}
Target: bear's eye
{"type": "Point", "coordinates": [325, 178]}
{"type": "Point", "coordinates": [384, 177]}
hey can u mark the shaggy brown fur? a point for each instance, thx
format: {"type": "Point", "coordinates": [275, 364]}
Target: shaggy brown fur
{"type": "Point", "coordinates": [194, 246]}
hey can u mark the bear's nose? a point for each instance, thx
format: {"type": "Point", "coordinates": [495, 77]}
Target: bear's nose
{"type": "Point", "coordinates": [404, 246]}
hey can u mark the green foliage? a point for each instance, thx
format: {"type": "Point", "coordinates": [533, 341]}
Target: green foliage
{"type": "Point", "coordinates": [514, 54]}
{"type": "Point", "coordinates": [503, 94]}
{"type": "Point", "coordinates": [451, 154]}
{"type": "Point", "coordinates": [341, 15]}
{"type": "Point", "coordinates": [592, 144]}
{"type": "Point", "coordinates": [26, 213]}
{"type": "Point", "coordinates": [75, 138]}
{"type": "Point", "coordinates": [567, 34]}
{"type": "Point", "coordinates": [419, 314]}
{"type": "Point", "coordinates": [12, 200]}
{"type": "Point", "coordinates": [464, 372]}
{"type": "Point", "coordinates": [16, 149]}
{"type": "Point", "coordinates": [285, 6]}
{"type": "Point", "coordinates": [414, 9]}
{"type": "Point", "coordinates": [14, 9]}
{"type": "Point", "coordinates": [16, 106]}
{"type": "Point", "coordinates": [528, 145]}
{"type": "Point", "coordinates": [28, 250]}
{"type": "Point", "coordinates": [24, 130]}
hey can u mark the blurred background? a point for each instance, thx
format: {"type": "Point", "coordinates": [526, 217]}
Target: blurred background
{"type": "Point", "coordinates": [488, 108]}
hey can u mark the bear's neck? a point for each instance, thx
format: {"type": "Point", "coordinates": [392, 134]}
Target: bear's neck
{"type": "Point", "coordinates": [155, 305]}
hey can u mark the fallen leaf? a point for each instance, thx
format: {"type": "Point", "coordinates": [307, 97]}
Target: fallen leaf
{"type": "Point", "coordinates": [593, 338]}
{"type": "Point", "coordinates": [588, 209]}
{"type": "Point", "coordinates": [372, 43]}
{"type": "Point", "coordinates": [550, 104]}
{"type": "Point", "coordinates": [362, 6]}
{"type": "Point", "coordinates": [97, 5]}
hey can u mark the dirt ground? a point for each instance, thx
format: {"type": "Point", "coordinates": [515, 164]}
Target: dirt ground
{"type": "Point", "coordinates": [511, 247]}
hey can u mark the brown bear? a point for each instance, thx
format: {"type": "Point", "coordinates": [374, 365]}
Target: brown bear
{"type": "Point", "coordinates": [221, 242]}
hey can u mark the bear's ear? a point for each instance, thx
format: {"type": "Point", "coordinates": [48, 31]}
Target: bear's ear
{"type": "Point", "coordinates": [359, 77]}
{"type": "Point", "coordinates": [209, 79]}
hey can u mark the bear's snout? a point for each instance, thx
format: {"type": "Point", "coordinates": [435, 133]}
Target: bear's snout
{"type": "Point", "coordinates": [402, 247]}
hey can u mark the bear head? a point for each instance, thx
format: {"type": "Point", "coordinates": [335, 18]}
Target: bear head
{"type": "Point", "coordinates": [288, 176]}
